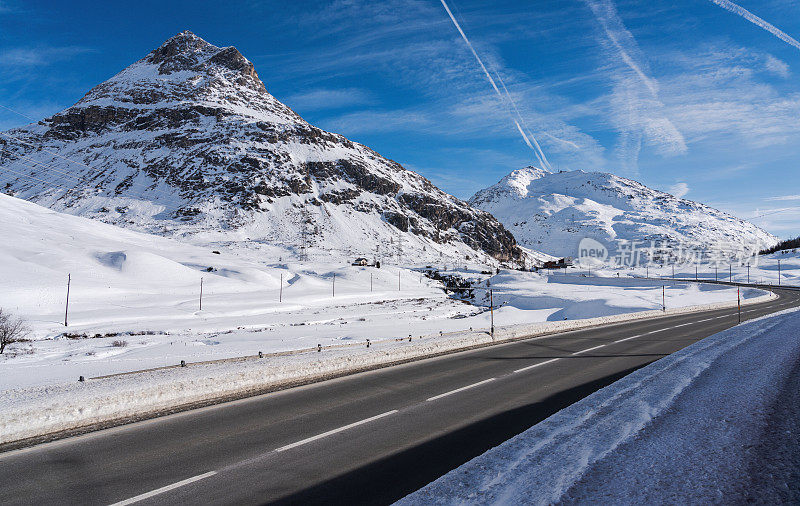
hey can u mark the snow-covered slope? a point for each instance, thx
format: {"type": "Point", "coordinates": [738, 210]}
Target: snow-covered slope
{"type": "Point", "coordinates": [143, 290]}
{"type": "Point", "coordinates": [188, 141]}
{"type": "Point", "coordinates": [552, 212]}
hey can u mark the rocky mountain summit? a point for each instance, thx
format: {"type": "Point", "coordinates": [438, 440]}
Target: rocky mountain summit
{"type": "Point", "coordinates": [553, 212]}
{"type": "Point", "coordinates": [187, 141]}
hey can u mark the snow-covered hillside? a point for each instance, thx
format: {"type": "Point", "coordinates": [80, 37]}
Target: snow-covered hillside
{"type": "Point", "coordinates": [144, 292]}
{"type": "Point", "coordinates": [187, 141]}
{"type": "Point", "coordinates": [552, 212]}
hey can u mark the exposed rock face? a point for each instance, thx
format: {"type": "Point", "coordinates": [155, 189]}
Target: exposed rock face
{"type": "Point", "coordinates": [187, 140]}
{"type": "Point", "coordinates": [552, 212]}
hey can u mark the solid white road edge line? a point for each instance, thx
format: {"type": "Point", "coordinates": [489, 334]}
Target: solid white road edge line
{"type": "Point", "coordinates": [536, 365]}
{"type": "Point", "coordinates": [161, 490]}
{"type": "Point", "coordinates": [451, 392]}
{"type": "Point", "coordinates": [334, 431]}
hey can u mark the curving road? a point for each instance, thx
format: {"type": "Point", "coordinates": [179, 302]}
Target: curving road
{"type": "Point", "coordinates": [367, 438]}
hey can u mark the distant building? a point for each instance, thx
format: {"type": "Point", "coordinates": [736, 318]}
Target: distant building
{"type": "Point", "coordinates": [561, 263]}
{"type": "Point", "coordinates": [361, 262]}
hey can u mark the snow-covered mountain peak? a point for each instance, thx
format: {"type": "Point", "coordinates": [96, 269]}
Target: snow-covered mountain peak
{"type": "Point", "coordinates": [189, 53]}
{"type": "Point", "coordinates": [519, 180]}
{"type": "Point", "coordinates": [552, 212]}
{"type": "Point", "coordinates": [184, 46]}
{"type": "Point", "coordinates": [187, 140]}
{"type": "Point", "coordinates": [186, 72]}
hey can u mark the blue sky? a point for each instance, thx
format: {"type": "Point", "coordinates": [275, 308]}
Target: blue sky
{"type": "Point", "coordinates": [683, 96]}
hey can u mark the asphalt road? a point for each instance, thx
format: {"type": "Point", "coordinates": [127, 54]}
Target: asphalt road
{"type": "Point", "coordinates": [367, 438]}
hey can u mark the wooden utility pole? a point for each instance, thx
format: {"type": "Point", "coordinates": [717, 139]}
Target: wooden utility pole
{"type": "Point", "coordinates": [370, 281]}
{"type": "Point", "coordinates": [491, 311]}
{"type": "Point", "coordinates": [280, 290]}
{"type": "Point", "coordinates": [201, 293]}
{"type": "Point", "coordinates": [398, 281]}
{"type": "Point", "coordinates": [663, 298]}
{"type": "Point", "coordinates": [66, 309]}
{"type": "Point", "coordinates": [739, 302]}
{"type": "Point", "coordinates": [333, 294]}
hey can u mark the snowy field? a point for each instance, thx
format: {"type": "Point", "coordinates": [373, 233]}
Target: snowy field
{"type": "Point", "coordinates": [134, 299]}
{"type": "Point", "coordinates": [763, 270]}
{"type": "Point", "coordinates": [714, 423]}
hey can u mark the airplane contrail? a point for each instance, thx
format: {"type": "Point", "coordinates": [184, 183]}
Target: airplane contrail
{"type": "Point", "coordinates": [527, 138]}
{"type": "Point", "coordinates": [741, 11]}
{"type": "Point", "coordinates": [606, 14]}
{"type": "Point", "coordinates": [539, 152]}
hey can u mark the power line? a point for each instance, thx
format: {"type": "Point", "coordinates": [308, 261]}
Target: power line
{"type": "Point", "coordinates": [108, 199]}
{"type": "Point", "coordinates": [21, 114]}
{"type": "Point", "coordinates": [43, 164]}
{"type": "Point", "coordinates": [158, 192]}
{"type": "Point", "coordinates": [27, 176]}
{"type": "Point", "coordinates": [775, 212]}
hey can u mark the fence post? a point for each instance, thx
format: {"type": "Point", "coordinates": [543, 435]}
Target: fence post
{"type": "Point", "coordinates": [66, 309]}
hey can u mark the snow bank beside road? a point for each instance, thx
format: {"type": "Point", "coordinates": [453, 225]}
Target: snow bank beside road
{"type": "Point", "coordinates": [714, 422]}
{"type": "Point", "coordinates": [35, 411]}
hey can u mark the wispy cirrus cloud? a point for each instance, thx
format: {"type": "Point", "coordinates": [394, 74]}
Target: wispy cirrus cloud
{"type": "Point", "coordinates": [448, 172]}
{"type": "Point", "coordinates": [622, 40]}
{"type": "Point", "coordinates": [479, 118]}
{"type": "Point", "coordinates": [372, 121]}
{"type": "Point", "coordinates": [776, 66]}
{"type": "Point", "coordinates": [717, 96]}
{"type": "Point", "coordinates": [323, 99]}
{"type": "Point", "coordinates": [636, 110]}
{"type": "Point", "coordinates": [784, 198]}
{"type": "Point", "coordinates": [679, 189]}
{"type": "Point", "coordinates": [504, 96]}
{"type": "Point", "coordinates": [781, 221]}
{"type": "Point", "coordinates": [37, 56]}
{"type": "Point", "coordinates": [417, 47]}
